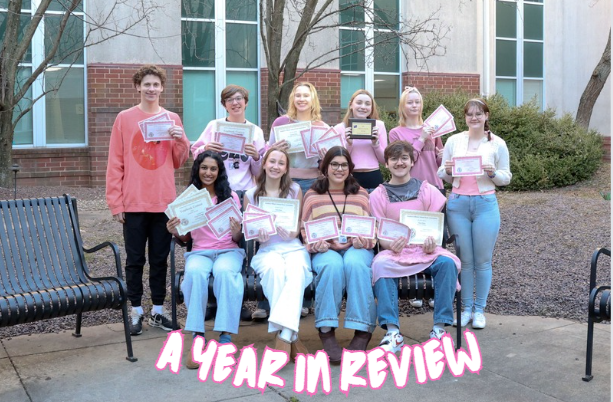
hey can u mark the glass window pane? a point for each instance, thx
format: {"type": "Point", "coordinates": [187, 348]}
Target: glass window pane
{"type": "Point", "coordinates": [533, 59]}
{"type": "Point", "coordinates": [386, 14]}
{"type": "Point", "coordinates": [24, 20]}
{"type": "Point", "coordinates": [349, 84]}
{"type": "Point", "coordinates": [24, 129]}
{"type": "Point", "coordinates": [61, 5]}
{"type": "Point", "coordinates": [352, 50]}
{"type": "Point", "coordinates": [386, 92]}
{"type": "Point", "coordinates": [198, 43]}
{"type": "Point", "coordinates": [533, 89]}
{"type": "Point", "coordinates": [351, 13]}
{"type": "Point", "coordinates": [507, 88]}
{"type": "Point", "coordinates": [65, 106]}
{"type": "Point", "coordinates": [249, 81]}
{"type": "Point", "coordinates": [386, 52]}
{"type": "Point", "coordinates": [242, 10]}
{"type": "Point", "coordinates": [506, 19]}
{"type": "Point", "coordinates": [241, 46]}
{"type": "Point", "coordinates": [506, 58]}
{"type": "Point", "coordinates": [198, 9]}
{"type": "Point", "coordinates": [533, 22]}
{"type": "Point", "coordinates": [199, 101]}
{"type": "Point", "coordinates": [71, 41]}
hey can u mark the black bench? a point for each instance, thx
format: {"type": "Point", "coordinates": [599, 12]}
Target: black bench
{"type": "Point", "coordinates": [43, 271]}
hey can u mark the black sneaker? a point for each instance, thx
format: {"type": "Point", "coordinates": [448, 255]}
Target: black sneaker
{"type": "Point", "coordinates": [136, 323]}
{"type": "Point", "coordinates": [160, 321]}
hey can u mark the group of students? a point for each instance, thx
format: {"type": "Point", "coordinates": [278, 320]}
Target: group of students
{"type": "Point", "coordinates": [334, 185]}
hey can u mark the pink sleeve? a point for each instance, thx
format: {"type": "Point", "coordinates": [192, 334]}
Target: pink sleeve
{"type": "Point", "coordinates": [379, 151]}
{"type": "Point", "coordinates": [394, 136]}
{"type": "Point", "coordinates": [432, 198]}
{"type": "Point", "coordinates": [377, 207]}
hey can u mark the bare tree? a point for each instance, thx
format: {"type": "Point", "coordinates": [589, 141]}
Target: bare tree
{"type": "Point", "coordinates": [594, 86]}
{"type": "Point", "coordinates": [117, 18]}
{"type": "Point", "coordinates": [418, 39]}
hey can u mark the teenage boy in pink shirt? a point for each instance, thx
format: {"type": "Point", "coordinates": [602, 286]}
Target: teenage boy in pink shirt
{"type": "Point", "coordinates": [140, 183]}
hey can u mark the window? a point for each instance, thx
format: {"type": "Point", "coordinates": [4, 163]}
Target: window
{"type": "Point", "coordinates": [220, 47]}
{"type": "Point", "coordinates": [519, 51]}
{"type": "Point", "coordinates": [58, 118]}
{"type": "Point", "coordinates": [370, 51]}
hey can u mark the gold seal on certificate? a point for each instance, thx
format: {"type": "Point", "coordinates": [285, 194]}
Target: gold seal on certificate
{"type": "Point", "coordinates": [423, 224]}
{"type": "Point", "coordinates": [291, 133]}
{"type": "Point", "coordinates": [362, 128]}
{"type": "Point", "coordinates": [285, 210]}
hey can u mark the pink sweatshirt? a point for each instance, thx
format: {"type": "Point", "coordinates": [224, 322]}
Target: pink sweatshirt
{"type": "Point", "coordinates": [242, 178]}
{"type": "Point", "coordinates": [426, 159]}
{"type": "Point", "coordinates": [140, 176]}
{"type": "Point", "coordinates": [365, 156]}
{"type": "Point", "coordinates": [204, 239]}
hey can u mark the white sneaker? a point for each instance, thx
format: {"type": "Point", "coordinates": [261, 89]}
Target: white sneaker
{"type": "Point", "coordinates": [431, 303]}
{"type": "Point", "coordinates": [304, 312]}
{"type": "Point", "coordinates": [392, 342]}
{"type": "Point", "coordinates": [478, 320]}
{"type": "Point", "coordinates": [259, 314]}
{"type": "Point", "coordinates": [416, 303]}
{"type": "Point", "coordinates": [437, 333]}
{"type": "Point", "coordinates": [465, 318]}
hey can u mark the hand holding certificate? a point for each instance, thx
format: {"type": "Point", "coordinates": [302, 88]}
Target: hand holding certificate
{"type": "Point", "coordinates": [252, 226]}
{"type": "Point", "coordinates": [231, 143]}
{"type": "Point", "coordinates": [291, 133]}
{"type": "Point", "coordinates": [157, 128]}
{"type": "Point", "coordinates": [354, 226]}
{"type": "Point", "coordinates": [391, 230]}
{"type": "Point", "coordinates": [191, 210]}
{"type": "Point", "coordinates": [219, 217]}
{"type": "Point", "coordinates": [467, 166]}
{"type": "Point", "coordinates": [321, 229]}
{"type": "Point", "coordinates": [423, 224]}
{"type": "Point", "coordinates": [441, 120]}
{"type": "Point", "coordinates": [240, 129]}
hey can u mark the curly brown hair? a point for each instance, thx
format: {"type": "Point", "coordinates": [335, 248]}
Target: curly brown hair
{"type": "Point", "coordinates": [149, 69]}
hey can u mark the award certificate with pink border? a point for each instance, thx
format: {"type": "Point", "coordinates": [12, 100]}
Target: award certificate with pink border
{"type": "Point", "coordinates": [231, 143]}
{"type": "Point", "coordinates": [467, 166]}
{"type": "Point", "coordinates": [219, 223]}
{"type": "Point", "coordinates": [252, 226]}
{"type": "Point", "coordinates": [354, 226]}
{"type": "Point", "coordinates": [321, 229]}
{"type": "Point", "coordinates": [440, 120]}
{"type": "Point", "coordinates": [391, 230]}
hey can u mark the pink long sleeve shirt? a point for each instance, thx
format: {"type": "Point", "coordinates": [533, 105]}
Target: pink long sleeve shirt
{"type": "Point", "coordinates": [365, 156]}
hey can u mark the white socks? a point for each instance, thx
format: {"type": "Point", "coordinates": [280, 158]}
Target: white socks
{"type": "Point", "coordinates": [392, 328]}
{"type": "Point", "coordinates": [325, 329]}
{"type": "Point", "coordinates": [286, 334]}
{"type": "Point", "coordinates": [439, 325]}
{"type": "Point", "coordinates": [157, 310]}
{"type": "Point", "coordinates": [138, 309]}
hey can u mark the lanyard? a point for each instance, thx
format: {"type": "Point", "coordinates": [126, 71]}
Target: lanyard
{"type": "Point", "coordinates": [337, 211]}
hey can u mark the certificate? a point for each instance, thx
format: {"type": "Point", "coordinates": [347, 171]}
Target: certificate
{"type": "Point", "coordinates": [362, 128]}
{"type": "Point", "coordinates": [157, 130]}
{"type": "Point", "coordinates": [254, 209]}
{"type": "Point", "coordinates": [391, 230]}
{"type": "Point", "coordinates": [251, 227]}
{"type": "Point", "coordinates": [318, 133]}
{"type": "Point", "coordinates": [467, 166]}
{"type": "Point", "coordinates": [286, 211]}
{"type": "Point", "coordinates": [219, 218]}
{"type": "Point", "coordinates": [188, 191]}
{"type": "Point", "coordinates": [291, 134]}
{"type": "Point", "coordinates": [438, 120]}
{"type": "Point", "coordinates": [448, 127]}
{"type": "Point", "coordinates": [191, 211]}
{"type": "Point", "coordinates": [231, 143]}
{"type": "Point", "coordinates": [252, 215]}
{"type": "Point", "coordinates": [329, 142]}
{"type": "Point", "coordinates": [220, 208]}
{"type": "Point", "coordinates": [306, 142]}
{"type": "Point", "coordinates": [423, 224]}
{"type": "Point", "coordinates": [240, 129]}
{"type": "Point", "coordinates": [354, 225]}
{"type": "Point", "coordinates": [321, 229]}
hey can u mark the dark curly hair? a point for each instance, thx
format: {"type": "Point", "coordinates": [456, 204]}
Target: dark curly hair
{"type": "Point", "coordinates": [321, 185]}
{"type": "Point", "coordinates": [149, 69]}
{"type": "Point", "coordinates": [222, 186]}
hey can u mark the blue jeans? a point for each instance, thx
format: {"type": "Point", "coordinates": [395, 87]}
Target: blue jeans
{"type": "Point", "coordinates": [337, 272]}
{"type": "Point", "coordinates": [476, 221]}
{"type": "Point", "coordinates": [305, 184]}
{"type": "Point", "coordinates": [226, 266]}
{"type": "Point", "coordinates": [444, 274]}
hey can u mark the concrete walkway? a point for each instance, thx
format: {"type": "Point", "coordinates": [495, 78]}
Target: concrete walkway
{"type": "Point", "coordinates": [524, 359]}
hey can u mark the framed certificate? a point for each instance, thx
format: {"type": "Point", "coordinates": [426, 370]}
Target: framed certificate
{"type": "Point", "coordinates": [440, 119]}
{"type": "Point", "coordinates": [467, 166]}
{"type": "Point", "coordinates": [240, 129]}
{"type": "Point", "coordinates": [286, 211]}
{"type": "Point", "coordinates": [362, 128]}
{"type": "Point", "coordinates": [423, 224]}
{"type": "Point", "coordinates": [291, 134]}
{"type": "Point", "coordinates": [252, 226]}
{"type": "Point", "coordinates": [321, 229]}
{"type": "Point", "coordinates": [231, 143]}
{"type": "Point", "coordinates": [354, 225]}
{"type": "Point", "coordinates": [391, 230]}
{"type": "Point", "coordinates": [191, 210]}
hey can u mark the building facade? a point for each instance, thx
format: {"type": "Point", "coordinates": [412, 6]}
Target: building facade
{"type": "Point", "coordinates": [543, 51]}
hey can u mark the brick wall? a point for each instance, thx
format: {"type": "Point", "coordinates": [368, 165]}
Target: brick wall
{"type": "Point", "coordinates": [447, 83]}
{"type": "Point", "coordinates": [606, 145]}
{"type": "Point", "coordinates": [53, 166]}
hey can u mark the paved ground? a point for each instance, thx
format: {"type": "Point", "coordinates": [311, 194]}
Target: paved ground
{"type": "Point", "coordinates": [524, 359]}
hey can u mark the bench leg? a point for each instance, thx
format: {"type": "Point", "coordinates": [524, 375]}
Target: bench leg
{"type": "Point", "coordinates": [588, 355]}
{"type": "Point", "coordinates": [458, 306]}
{"type": "Point", "coordinates": [77, 332]}
{"type": "Point", "coordinates": [126, 327]}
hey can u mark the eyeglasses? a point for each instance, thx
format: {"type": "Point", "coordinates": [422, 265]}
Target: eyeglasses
{"type": "Point", "coordinates": [478, 115]}
{"type": "Point", "coordinates": [339, 166]}
{"type": "Point", "coordinates": [235, 99]}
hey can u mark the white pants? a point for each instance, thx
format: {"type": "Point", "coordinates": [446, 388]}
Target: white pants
{"type": "Point", "coordinates": [285, 270]}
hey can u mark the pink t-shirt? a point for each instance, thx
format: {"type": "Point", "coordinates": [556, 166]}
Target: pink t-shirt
{"type": "Point", "coordinates": [364, 155]}
{"type": "Point", "coordinates": [204, 239]}
{"type": "Point", "coordinates": [426, 159]}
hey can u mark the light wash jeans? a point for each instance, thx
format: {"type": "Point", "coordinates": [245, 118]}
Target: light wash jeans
{"type": "Point", "coordinates": [444, 274]}
{"type": "Point", "coordinates": [476, 220]}
{"type": "Point", "coordinates": [226, 266]}
{"type": "Point", "coordinates": [337, 272]}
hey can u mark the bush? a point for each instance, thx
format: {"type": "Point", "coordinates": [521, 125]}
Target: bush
{"type": "Point", "coordinates": [545, 151]}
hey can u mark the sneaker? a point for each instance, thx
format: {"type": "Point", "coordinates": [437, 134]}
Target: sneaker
{"type": "Point", "coordinates": [437, 333]}
{"type": "Point", "coordinates": [465, 317]}
{"type": "Point", "coordinates": [259, 314]}
{"type": "Point", "coordinates": [416, 303]}
{"type": "Point", "coordinates": [431, 303]}
{"type": "Point", "coordinates": [478, 320]}
{"type": "Point", "coordinates": [392, 342]}
{"type": "Point", "coordinates": [136, 323]}
{"type": "Point", "coordinates": [160, 321]}
{"type": "Point", "coordinates": [225, 338]}
{"type": "Point", "coordinates": [304, 312]}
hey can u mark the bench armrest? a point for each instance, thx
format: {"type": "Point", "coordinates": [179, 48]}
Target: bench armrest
{"type": "Point", "coordinates": [119, 278]}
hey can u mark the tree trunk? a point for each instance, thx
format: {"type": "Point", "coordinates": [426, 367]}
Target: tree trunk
{"type": "Point", "coordinates": [6, 146]}
{"type": "Point", "coordinates": [594, 86]}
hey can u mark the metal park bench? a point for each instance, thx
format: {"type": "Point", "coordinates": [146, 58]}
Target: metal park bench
{"type": "Point", "coordinates": [43, 271]}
